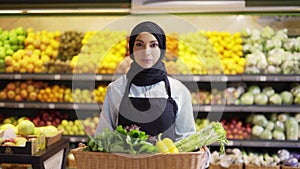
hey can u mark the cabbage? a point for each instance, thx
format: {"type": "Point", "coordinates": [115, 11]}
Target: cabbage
{"type": "Point", "coordinates": [279, 126]}
{"type": "Point", "coordinates": [257, 130]}
{"type": "Point", "coordinates": [269, 91]}
{"type": "Point", "coordinates": [275, 99]}
{"type": "Point", "coordinates": [270, 125]}
{"type": "Point", "coordinates": [278, 135]}
{"type": "Point", "coordinates": [254, 89]}
{"type": "Point", "coordinates": [247, 98]}
{"type": "Point", "coordinates": [287, 97]}
{"type": "Point", "coordinates": [260, 120]}
{"type": "Point", "coordinates": [291, 126]}
{"type": "Point", "coordinates": [261, 99]}
{"type": "Point", "coordinates": [266, 135]}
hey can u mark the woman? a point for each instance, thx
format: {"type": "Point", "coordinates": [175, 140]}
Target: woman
{"type": "Point", "coordinates": [146, 96]}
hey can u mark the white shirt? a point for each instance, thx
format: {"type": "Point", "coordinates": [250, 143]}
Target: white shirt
{"type": "Point", "coordinates": [185, 121]}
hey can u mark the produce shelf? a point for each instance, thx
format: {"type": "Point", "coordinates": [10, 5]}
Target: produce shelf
{"type": "Point", "coordinates": [40, 105]}
{"type": "Point", "coordinates": [263, 143]}
{"type": "Point", "coordinates": [271, 78]}
{"type": "Point", "coordinates": [185, 78]}
{"type": "Point", "coordinates": [247, 108]}
{"type": "Point", "coordinates": [196, 108]}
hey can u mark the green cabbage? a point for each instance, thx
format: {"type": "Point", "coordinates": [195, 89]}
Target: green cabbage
{"type": "Point", "coordinates": [261, 99]}
{"type": "Point", "coordinates": [287, 97]}
{"type": "Point", "coordinates": [275, 99]}
{"type": "Point", "coordinates": [247, 98]}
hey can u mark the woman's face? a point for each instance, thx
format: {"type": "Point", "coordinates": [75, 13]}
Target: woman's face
{"type": "Point", "coordinates": [146, 50]}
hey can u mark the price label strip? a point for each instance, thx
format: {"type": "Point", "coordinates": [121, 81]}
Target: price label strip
{"type": "Point", "coordinates": [55, 162]}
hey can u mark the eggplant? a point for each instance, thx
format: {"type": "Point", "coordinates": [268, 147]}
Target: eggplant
{"type": "Point", "coordinates": [295, 155]}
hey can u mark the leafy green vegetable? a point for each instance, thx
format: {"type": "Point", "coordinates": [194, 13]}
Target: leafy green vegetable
{"type": "Point", "coordinates": [121, 140]}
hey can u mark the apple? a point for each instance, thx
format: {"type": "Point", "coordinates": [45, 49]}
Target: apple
{"type": "Point", "coordinates": [20, 141]}
{"type": "Point", "coordinates": [26, 127]}
{"type": "Point", "coordinates": [9, 144]}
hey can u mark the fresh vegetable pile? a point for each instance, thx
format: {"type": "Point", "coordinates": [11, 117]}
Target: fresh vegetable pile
{"type": "Point", "coordinates": [123, 140]}
{"type": "Point", "coordinates": [133, 141]}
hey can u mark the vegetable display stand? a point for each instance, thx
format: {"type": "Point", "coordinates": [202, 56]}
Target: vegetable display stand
{"type": "Point", "coordinates": [99, 160]}
{"type": "Point", "coordinates": [53, 156]}
{"type": "Point", "coordinates": [232, 166]}
{"type": "Point", "coordinates": [250, 166]}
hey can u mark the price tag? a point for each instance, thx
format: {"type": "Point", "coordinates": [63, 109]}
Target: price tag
{"type": "Point", "coordinates": [207, 108]}
{"type": "Point", "coordinates": [75, 106]}
{"type": "Point", "coordinates": [18, 76]}
{"type": "Point", "coordinates": [57, 77]}
{"type": "Point", "coordinates": [2, 104]}
{"type": "Point", "coordinates": [224, 78]}
{"type": "Point", "coordinates": [196, 78]}
{"type": "Point", "coordinates": [230, 143]}
{"type": "Point", "coordinates": [21, 105]}
{"type": "Point", "coordinates": [99, 77]}
{"type": "Point", "coordinates": [263, 78]}
{"type": "Point", "coordinates": [51, 106]}
{"type": "Point", "coordinates": [55, 162]}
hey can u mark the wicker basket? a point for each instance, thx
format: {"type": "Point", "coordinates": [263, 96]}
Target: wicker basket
{"type": "Point", "coordinates": [98, 160]}
{"type": "Point", "coordinates": [289, 167]}
{"type": "Point", "coordinates": [249, 166]}
{"type": "Point", "coordinates": [232, 166]}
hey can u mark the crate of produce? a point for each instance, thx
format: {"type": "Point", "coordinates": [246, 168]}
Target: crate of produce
{"type": "Point", "coordinates": [231, 166]}
{"type": "Point", "coordinates": [53, 139]}
{"type": "Point", "coordinates": [99, 160]}
{"type": "Point", "coordinates": [251, 166]}
{"type": "Point", "coordinates": [32, 146]}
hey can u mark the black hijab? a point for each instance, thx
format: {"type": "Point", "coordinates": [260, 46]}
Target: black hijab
{"type": "Point", "coordinates": [141, 76]}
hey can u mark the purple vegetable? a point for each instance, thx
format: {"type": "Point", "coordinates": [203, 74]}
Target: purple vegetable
{"type": "Point", "coordinates": [295, 155]}
{"type": "Point", "coordinates": [293, 162]}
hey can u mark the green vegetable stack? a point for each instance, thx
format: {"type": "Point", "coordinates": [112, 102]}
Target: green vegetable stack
{"type": "Point", "coordinates": [122, 140]}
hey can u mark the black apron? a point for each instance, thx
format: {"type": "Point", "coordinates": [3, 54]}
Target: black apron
{"type": "Point", "coordinates": [152, 115]}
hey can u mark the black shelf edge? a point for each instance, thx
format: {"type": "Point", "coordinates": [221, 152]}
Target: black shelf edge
{"type": "Point", "coordinates": [263, 143]}
{"type": "Point", "coordinates": [185, 78]}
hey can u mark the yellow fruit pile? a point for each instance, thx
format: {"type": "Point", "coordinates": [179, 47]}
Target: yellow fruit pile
{"type": "Point", "coordinates": [40, 47]}
{"type": "Point", "coordinates": [196, 54]}
{"type": "Point", "coordinates": [101, 52]}
{"type": "Point", "coordinates": [229, 49]}
{"type": "Point", "coordinates": [100, 93]}
{"type": "Point", "coordinates": [53, 93]}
